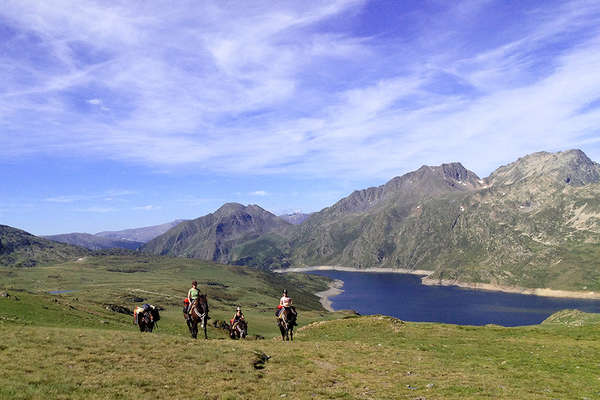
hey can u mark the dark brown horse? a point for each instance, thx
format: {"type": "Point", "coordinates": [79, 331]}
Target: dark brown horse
{"type": "Point", "coordinates": [198, 314]}
{"type": "Point", "coordinates": [239, 329]}
{"type": "Point", "coordinates": [147, 318]}
{"type": "Point", "coordinates": [286, 322]}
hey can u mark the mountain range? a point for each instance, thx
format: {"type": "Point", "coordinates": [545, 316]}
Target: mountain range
{"type": "Point", "coordinates": [532, 223]}
{"type": "Point", "coordinates": [130, 239]}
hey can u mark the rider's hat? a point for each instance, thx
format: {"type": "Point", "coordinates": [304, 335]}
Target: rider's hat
{"type": "Point", "coordinates": [238, 308]}
{"type": "Point", "coordinates": [284, 291]}
{"type": "Point", "coordinates": [194, 283]}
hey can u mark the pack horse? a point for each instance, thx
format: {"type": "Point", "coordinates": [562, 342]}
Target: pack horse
{"type": "Point", "coordinates": [146, 317]}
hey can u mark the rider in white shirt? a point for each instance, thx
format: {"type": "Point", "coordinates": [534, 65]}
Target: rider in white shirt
{"type": "Point", "coordinates": [286, 302]}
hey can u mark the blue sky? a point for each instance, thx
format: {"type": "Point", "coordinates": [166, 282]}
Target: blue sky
{"type": "Point", "coordinates": [124, 114]}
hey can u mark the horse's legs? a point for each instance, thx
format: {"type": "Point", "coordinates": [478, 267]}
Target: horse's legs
{"type": "Point", "coordinates": [204, 327]}
{"type": "Point", "coordinates": [282, 330]}
{"type": "Point", "coordinates": [292, 334]}
{"type": "Point", "coordinates": [194, 329]}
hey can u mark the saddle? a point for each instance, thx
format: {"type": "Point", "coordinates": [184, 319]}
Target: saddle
{"type": "Point", "coordinates": [292, 311]}
{"type": "Point", "coordinates": [192, 308]}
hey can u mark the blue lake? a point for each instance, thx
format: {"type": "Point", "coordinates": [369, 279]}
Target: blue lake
{"type": "Point", "coordinates": [403, 296]}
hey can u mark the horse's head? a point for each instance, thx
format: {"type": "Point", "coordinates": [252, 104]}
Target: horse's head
{"type": "Point", "coordinates": [202, 304]}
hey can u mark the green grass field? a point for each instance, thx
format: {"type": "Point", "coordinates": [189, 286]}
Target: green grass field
{"type": "Point", "coordinates": [69, 346]}
{"type": "Point", "coordinates": [128, 281]}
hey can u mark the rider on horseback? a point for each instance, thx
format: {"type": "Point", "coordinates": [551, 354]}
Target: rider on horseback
{"type": "Point", "coordinates": [237, 317]}
{"type": "Point", "coordinates": [286, 302]}
{"type": "Point", "coordinates": [192, 296]}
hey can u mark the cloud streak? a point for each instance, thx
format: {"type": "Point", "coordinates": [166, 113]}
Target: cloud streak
{"type": "Point", "coordinates": [259, 193]}
{"type": "Point", "coordinates": [282, 89]}
{"type": "Point", "coordinates": [108, 195]}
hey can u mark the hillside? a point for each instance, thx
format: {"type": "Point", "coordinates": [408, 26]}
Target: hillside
{"type": "Point", "coordinates": [83, 349]}
{"type": "Point", "coordinates": [130, 280]}
{"type": "Point", "coordinates": [362, 229]}
{"type": "Point", "coordinates": [215, 236]}
{"type": "Point", "coordinates": [358, 358]}
{"type": "Point", "coordinates": [143, 235]}
{"type": "Point", "coordinates": [94, 242]}
{"type": "Point", "coordinates": [22, 249]}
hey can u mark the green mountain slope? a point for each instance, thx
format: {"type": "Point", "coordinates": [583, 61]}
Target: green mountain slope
{"type": "Point", "coordinates": [19, 248]}
{"type": "Point", "coordinates": [359, 230]}
{"type": "Point", "coordinates": [214, 236]}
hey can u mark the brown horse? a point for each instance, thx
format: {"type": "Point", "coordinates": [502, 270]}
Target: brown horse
{"type": "Point", "coordinates": [286, 322]}
{"type": "Point", "coordinates": [239, 329]}
{"type": "Point", "coordinates": [198, 314]}
{"type": "Point", "coordinates": [147, 318]}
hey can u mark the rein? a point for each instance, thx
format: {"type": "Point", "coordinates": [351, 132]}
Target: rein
{"type": "Point", "coordinates": [198, 313]}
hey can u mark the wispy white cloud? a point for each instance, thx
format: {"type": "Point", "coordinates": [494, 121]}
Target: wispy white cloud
{"type": "Point", "coordinates": [96, 210]}
{"type": "Point", "coordinates": [268, 89]}
{"type": "Point", "coordinates": [148, 207]}
{"type": "Point", "coordinates": [259, 193]}
{"type": "Point", "coordinates": [108, 195]}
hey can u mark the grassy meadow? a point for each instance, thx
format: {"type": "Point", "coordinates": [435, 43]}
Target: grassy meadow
{"type": "Point", "coordinates": [69, 346]}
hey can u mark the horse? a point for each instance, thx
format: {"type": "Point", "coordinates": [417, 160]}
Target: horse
{"type": "Point", "coordinates": [198, 314]}
{"type": "Point", "coordinates": [239, 330]}
{"type": "Point", "coordinates": [146, 318]}
{"type": "Point", "coordinates": [286, 322]}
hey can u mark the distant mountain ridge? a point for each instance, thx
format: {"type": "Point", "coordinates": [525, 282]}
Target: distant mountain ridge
{"type": "Point", "coordinates": [532, 223]}
{"type": "Point", "coordinates": [143, 235]}
{"type": "Point", "coordinates": [129, 239]}
{"type": "Point", "coordinates": [22, 249]}
{"type": "Point", "coordinates": [94, 242]}
{"type": "Point", "coordinates": [295, 218]}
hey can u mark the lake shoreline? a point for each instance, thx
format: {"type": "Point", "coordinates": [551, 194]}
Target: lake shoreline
{"type": "Point", "coordinates": [425, 280]}
{"type": "Point", "coordinates": [335, 288]}
{"type": "Point", "coordinates": [350, 269]}
{"type": "Point", "coordinates": [541, 292]}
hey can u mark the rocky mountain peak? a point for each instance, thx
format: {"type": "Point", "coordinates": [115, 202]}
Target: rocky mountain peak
{"type": "Point", "coordinates": [572, 167]}
{"type": "Point", "coordinates": [425, 182]}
